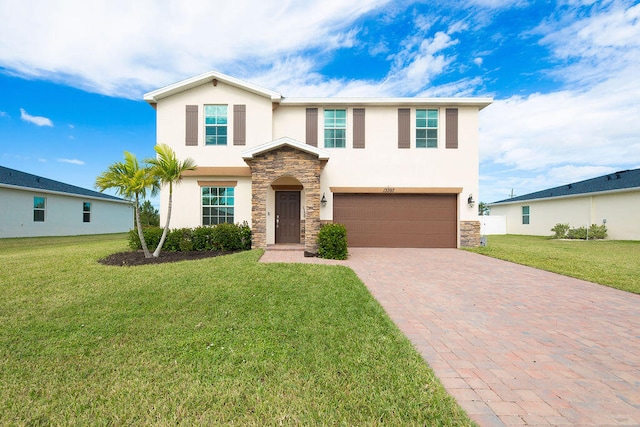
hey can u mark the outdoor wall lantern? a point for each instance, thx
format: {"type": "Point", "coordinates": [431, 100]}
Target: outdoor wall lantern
{"type": "Point", "coordinates": [323, 201]}
{"type": "Point", "coordinates": [470, 201]}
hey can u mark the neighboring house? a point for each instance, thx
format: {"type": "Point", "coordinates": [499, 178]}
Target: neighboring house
{"type": "Point", "coordinates": [33, 206]}
{"type": "Point", "coordinates": [612, 199]}
{"type": "Point", "coordinates": [398, 172]}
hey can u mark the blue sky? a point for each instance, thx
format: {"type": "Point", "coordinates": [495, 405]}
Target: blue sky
{"type": "Point", "coordinates": [563, 74]}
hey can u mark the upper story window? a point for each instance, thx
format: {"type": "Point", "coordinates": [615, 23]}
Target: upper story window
{"type": "Point", "coordinates": [335, 128]}
{"type": "Point", "coordinates": [525, 215]}
{"type": "Point", "coordinates": [215, 124]}
{"type": "Point", "coordinates": [38, 209]}
{"type": "Point", "coordinates": [86, 211]}
{"type": "Point", "coordinates": [427, 128]}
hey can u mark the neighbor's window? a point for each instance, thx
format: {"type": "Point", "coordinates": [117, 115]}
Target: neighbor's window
{"type": "Point", "coordinates": [86, 211]}
{"type": "Point", "coordinates": [38, 209]}
{"type": "Point", "coordinates": [217, 205]}
{"type": "Point", "coordinates": [427, 128]}
{"type": "Point", "coordinates": [525, 214]}
{"type": "Point", "coordinates": [335, 128]}
{"type": "Point", "coordinates": [215, 124]}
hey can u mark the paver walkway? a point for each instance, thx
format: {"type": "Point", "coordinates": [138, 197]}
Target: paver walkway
{"type": "Point", "coordinates": [514, 345]}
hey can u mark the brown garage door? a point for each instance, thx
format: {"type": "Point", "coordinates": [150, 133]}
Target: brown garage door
{"type": "Point", "coordinates": [398, 220]}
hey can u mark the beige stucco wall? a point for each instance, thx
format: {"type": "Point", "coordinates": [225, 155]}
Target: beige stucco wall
{"type": "Point", "coordinates": [187, 203]}
{"type": "Point", "coordinates": [380, 164]}
{"type": "Point", "coordinates": [383, 164]}
{"type": "Point", "coordinates": [170, 123]}
{"type": "Point", "coordinates": [63, 215]}
{"type": "Point", "coordinates": [619, 209]}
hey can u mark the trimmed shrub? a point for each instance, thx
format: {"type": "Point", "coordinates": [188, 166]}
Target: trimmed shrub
{"type": "Point", "coordinates": [202, 238]}
{"type": "Point", "coordinates": [560, 231]}
{"type": "Point", "coordinates": [597, 231]}
{"type": "Point", "coordinates": [577, 233]}
{"type": "Point", "coordinates": [223, 237]}
{"type": "Point", "coordinates": [152, 236]}
{"type": "Point", "coordinates": [245, 236]}
{"type": "Point", "coordinates": [332, 241]}
{"type": "Point", "coordinates": [226, 237]}
{"type": "Point", "coordinates": [178, 239]}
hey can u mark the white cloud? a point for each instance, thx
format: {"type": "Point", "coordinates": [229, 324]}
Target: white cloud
{"type": "Point", "coordinates": [123, 48]}
{"type": "Point", "coordinates": [36, 120]}
{"type": "Point", "coordinates": [478, 61]}
{"type": "Point", "coordinates": [542, 140]}
{"type": "Point", "coordinates": [71, 161]}
{"type": "Point", "coordinates": [608, 41]}
{"type": "Point", "coordinates": [3, 114]}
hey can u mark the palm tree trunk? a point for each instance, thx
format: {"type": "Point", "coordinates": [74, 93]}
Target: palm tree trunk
{"type": "Point", "coordinates": [143, 242]}
{"type": "Point", "coordinates": [156, 253]}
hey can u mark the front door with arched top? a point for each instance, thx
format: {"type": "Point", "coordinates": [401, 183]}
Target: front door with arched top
{"type": "Point", "coordinates": [287, 217]}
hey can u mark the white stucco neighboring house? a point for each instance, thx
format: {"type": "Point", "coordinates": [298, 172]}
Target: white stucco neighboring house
{"type": "Point", "coordinates": [32, 206]}
{"type": "Point", "coordinates": [612, 199]}
{"type": "Point", "coordinates": [398, 172]}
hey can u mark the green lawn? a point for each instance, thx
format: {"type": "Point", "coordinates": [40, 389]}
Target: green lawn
{"type": "Point", "coordinates": [218, 341]}
{"type": "Point", "coordinates": [608, 262]}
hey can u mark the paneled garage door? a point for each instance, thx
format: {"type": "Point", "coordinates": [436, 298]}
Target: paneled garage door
{"type": "Point", "coordinates": [398, 220]}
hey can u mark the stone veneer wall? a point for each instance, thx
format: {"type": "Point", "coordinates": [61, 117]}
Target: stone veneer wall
{"type": "Point", "coordinates": [469, 234]}
{"type": "Point", "coordinates": [269, 166]}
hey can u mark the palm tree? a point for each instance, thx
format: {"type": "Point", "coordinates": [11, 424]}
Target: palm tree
{"type": "Point", "coordinates": [168, 170]}
{"type": "Point", "coordinates": [131, 182]}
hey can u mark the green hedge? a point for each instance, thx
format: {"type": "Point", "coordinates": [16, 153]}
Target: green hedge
{"type": "Point", "coordinates": [332, 241]}
{"type": "Point", "coordinates": [562, 231]}
{"type": "Point", "coordinates": [221, 237]}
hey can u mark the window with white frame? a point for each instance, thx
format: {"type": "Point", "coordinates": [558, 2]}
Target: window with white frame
{"type": "Point", "coordinates": [427, 128]}
{"type": "Point", "coordinates": [39, 204]}
{"type": "Point", "coordinates": [215, 124]}
{"type": "Point", "coordinates": [525, 215]}
{"type": "Point", "coordinates": [86, 211]}
{"type": "Point", "coordinates": [218, 205]}
{"type": "Point", "coordinates": [335, 128]}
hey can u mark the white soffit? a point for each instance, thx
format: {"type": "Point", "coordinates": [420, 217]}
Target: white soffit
{"type": "Point", "coordinates": [473, 102]}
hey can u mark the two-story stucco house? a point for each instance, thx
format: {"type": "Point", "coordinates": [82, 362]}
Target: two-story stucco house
{"type": "Point", "coordinates": [398, 172]}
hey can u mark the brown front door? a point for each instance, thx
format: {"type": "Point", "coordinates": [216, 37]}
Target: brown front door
{"type": "Point", "coordinates": [287, 217]}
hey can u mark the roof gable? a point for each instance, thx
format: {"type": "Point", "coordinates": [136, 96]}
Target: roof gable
{"type": "Point", "coordinates": [212, 76]}
{"type": "Point", "coordinates": [17, 179]}
{"type": "Point", "coordinates": [618, 181]}
{"type": "Point", "coordinates": [281, 142]}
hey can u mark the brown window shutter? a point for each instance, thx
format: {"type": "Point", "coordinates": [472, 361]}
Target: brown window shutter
{"type": "Point", "coordinates": [358, 128]}
{"type": "Point", "coordinates": [404, 128]}
{"type": "Point", "coordinates": [239, 125]}
{"type": "Point", "coordinates": [451, 116]}
{"type": "Point", "coordinates": [192, 125]}
{"type": "Point", "coordinates": [312, 126]}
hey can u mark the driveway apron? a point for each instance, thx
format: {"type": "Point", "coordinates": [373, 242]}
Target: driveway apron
{"type": "Point", "coordinates": [514, 345]}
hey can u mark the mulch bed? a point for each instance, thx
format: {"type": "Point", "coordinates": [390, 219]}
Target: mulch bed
{"type": "Point", "coordinates": [126, 259]}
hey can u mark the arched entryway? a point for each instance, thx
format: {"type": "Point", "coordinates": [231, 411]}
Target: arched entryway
{"type": "Point", "coordinates": [290, 170]}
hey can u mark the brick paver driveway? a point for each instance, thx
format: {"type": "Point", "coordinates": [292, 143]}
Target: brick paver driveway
{"type": "Point", "coordinates": [514, 345]}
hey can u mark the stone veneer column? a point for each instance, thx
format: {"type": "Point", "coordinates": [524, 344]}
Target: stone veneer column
{"type": "Point", "coordinates": [469, 234]}
{"type": "Point", "coordinates": [269, 166]}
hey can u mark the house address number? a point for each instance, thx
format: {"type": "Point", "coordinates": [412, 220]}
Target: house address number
{"type": "Point", "coordinates": [388, 190]}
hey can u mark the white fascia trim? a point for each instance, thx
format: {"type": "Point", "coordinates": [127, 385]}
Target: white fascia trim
{"type": "Point", "coordinates": [156, 95]}
{"type": "Point", "coordinates": [249, 154]}
{"type": "Point", "coordinates": [572, 196]}
{"type": "Point", "coordinates": [61, 193]}
{"type": "Point", "coordinates": [475, 102]}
